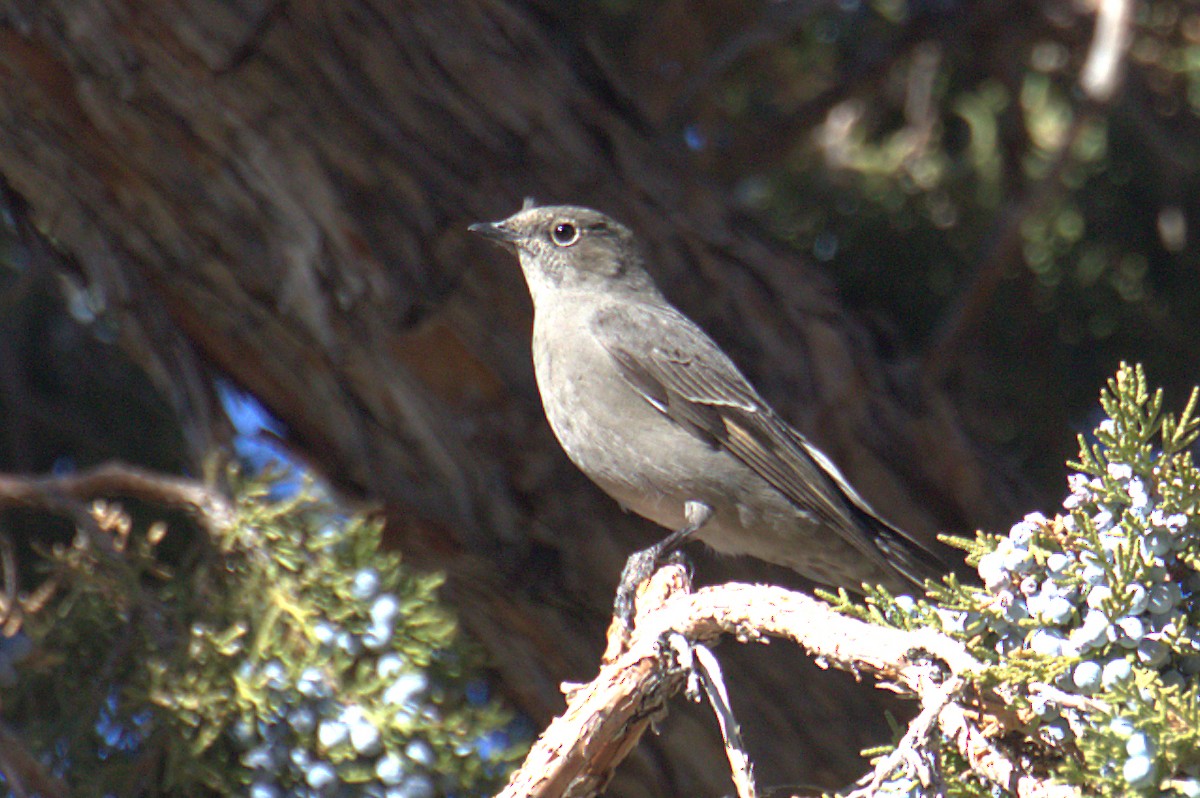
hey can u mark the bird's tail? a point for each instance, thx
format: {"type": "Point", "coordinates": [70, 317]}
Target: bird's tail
{"type": "Point", "coordinates": [912, 559]}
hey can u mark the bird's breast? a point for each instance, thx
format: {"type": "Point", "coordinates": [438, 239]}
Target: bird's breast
{"type": "Point", "coordinates": [607, 429]}
{"type": "Point", "coordinates": [590, 407]}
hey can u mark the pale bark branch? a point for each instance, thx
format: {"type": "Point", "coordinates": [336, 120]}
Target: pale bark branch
{"type": "Point", "coordinates": [1101, 73]}
{"type": "Point", "coordinates": [605, 718]}
{"type": "Point", "coordinates": [708, 672]}
{"type": "Point", "coordinates": [917, 750]}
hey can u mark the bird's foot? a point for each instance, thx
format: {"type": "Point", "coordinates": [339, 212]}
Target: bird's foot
{"type": "Point", "coordinates": [644, 581]}
{"type": "Point", "coordinates": [638, 568]}
{"type": "Point", "coordinates": [641, 565]}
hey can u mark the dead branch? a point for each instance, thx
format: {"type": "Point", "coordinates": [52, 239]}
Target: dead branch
{"type": "Point", "coordinates": [708, 674]}
{"type": "Point", "coordinates": [1101, 73]}
{"type": "Point", "coordinates": [604, 719]}
{"type": "Point", "coordinates": [77, 497]}
{"type": "Point", "coordinates": [60, 493]}
{"type": "Point", "coordinates": [916, 751]}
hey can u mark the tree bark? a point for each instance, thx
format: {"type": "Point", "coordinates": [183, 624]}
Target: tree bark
{"type": "Point", "coordinates": [277, 192]}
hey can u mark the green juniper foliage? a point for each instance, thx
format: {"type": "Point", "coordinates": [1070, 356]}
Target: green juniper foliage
{"type": "Point", "coordinates": [292, 657]}
{"type": "Point", "coordinates": [1090, 620]}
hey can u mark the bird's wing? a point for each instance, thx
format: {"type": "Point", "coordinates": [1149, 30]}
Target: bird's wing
{"type": "Point", "coordinates": [676, 367]}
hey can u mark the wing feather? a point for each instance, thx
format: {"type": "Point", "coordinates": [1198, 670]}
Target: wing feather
{"type": "Point", "coordinates": [676, 367]}
{"type": "Point", "coordinates": [688, 378]}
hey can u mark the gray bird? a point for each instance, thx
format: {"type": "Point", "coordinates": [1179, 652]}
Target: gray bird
{"type": "Point", "coordinates": [651, 409]}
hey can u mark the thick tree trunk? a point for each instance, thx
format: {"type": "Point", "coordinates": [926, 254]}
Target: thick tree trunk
{"type": "Point", "coordinates": [279, 191]}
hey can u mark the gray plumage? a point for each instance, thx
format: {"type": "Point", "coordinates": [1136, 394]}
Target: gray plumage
{"type": "Point", "coordinates": [652, 410]}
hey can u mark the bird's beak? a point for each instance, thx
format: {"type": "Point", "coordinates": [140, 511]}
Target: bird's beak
{"type": "Point", "coordinates": [497, 231]}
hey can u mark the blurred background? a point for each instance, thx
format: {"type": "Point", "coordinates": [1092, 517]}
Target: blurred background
{"type": "Point", "coordinates": [927, 230]}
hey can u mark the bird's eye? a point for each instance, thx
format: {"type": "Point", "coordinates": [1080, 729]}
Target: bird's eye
{"type": "Point", "coordinates": [565, 234]}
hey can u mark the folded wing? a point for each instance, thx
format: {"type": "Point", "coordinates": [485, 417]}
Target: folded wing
{"type": "Point", "coordinates": [687, 377]}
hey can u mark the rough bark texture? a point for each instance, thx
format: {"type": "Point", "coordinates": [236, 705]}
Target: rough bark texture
{"type": "Point", "coordinates": [278, 192]}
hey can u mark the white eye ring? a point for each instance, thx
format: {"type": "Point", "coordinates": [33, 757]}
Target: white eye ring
{"type": "Point", "coordinates": [564, 234]}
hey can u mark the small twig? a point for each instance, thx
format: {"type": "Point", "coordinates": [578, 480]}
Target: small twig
{"type": "Point", "coordinates": [1081, 703]}
{"type": "Point", "coordinates": [1065, 699]}
{"type": "Point", "coordinates": [10, 616]}
{"type": "Point", "coordinates": [915, 749]}
{"type": "Point", "coordinates": [708, 671]}
{"type": "Point", "coordinates": [986, 760]}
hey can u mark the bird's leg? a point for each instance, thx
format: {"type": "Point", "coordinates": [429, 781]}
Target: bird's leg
{"type": "Point", "coordinates": [642, 563]}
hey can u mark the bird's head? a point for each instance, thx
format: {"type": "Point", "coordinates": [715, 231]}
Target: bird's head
{"type": "Point", "coordinates": [565, 247]}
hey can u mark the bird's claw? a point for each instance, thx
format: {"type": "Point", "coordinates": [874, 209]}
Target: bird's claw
{"type": "Point", "coordinates": [638, 568]}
